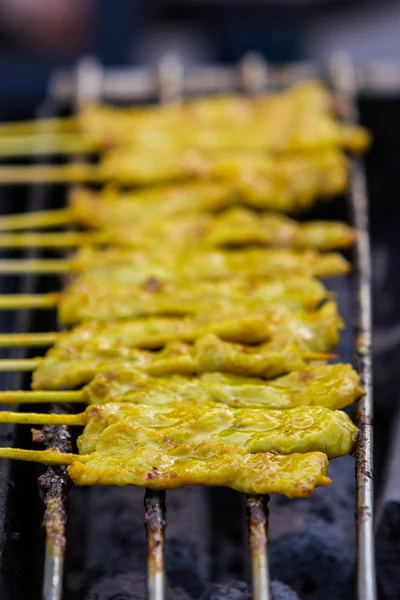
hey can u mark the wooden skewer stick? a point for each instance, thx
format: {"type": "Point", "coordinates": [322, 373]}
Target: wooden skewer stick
{"type": "Point", "coordinates": [46, 143]}
{"type": "Point", "coordinates": [29, 301]}
{"type": "Point", "coordinates": [38, 266]}
{"type": "Point", "coordinates": [31, 340]}
{"type": "Point", "coordinates": [19, 364]}
{"type": "Point", "coordinates": [70, 173]}
{"type": "Point", "coordinates": [41, 397]}
{"type": "Point", "coordinates": [39, 126]}
{"type": "Point", "coordinates": [65, 239]}
{"type": "Point", "coordinates": [36, 220]}
{"type": "Point", "coordinates": [30, 364]}
{"type": "Point", "coordinates": [45, 457]}
{"type": "Point", "coordinates": [42, 418]}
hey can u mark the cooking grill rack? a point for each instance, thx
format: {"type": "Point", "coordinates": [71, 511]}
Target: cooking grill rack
{"type": "Point", "coordinates": [171, 82]}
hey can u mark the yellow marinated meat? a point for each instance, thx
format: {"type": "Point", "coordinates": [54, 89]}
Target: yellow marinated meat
{"type": "Point", "coordinates": [93, 298]}
{"type": "Point", "coordinates": [239, 226]}
{"type": "Point", "coordinates": [289, 186]}
{"type": "Point", "coordinates": [69, 367]}
{"type": "Point", "coordinates": [118, 265]}
{"type": "Point", "coordinates": [301, 429]}
{"type": "Point", "coordinates": [331, 386]}
{"type": "Point", "coordinates": [318, 329]}
{"type": "Point", "coordinates": [129, 455]}
{"type": "Point", "coordinates": [298, 119]}
{"type": "Point", "coordinates": [233, 228]}
{"type": "Point", "coordinates": [285, 183]}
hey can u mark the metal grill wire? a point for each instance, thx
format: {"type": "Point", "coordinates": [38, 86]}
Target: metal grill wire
{"type": "Point", "coordinates": [253, 76]}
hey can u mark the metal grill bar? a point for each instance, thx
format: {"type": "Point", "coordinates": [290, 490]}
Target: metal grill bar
{"type": "Point", "coordinates": [155, 524]}
{"type": "Point", "coordinates": [55, 483]}
{"type": "Point", "coordinates": [255, 79]}
{"type": "Point", "coordinates": [56, 480]}
{"type": "Point", "coordinates": [257, 524]}
{"type": "Point", "coordinates": [344, 83]}
{"type": "Point", "coordinates": [140, 84]}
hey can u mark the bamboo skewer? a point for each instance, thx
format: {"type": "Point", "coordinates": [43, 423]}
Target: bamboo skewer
{"type": "Point", "coordinates": [46, 143]}
{"type": "Point", "coordinates": [29, 301]}
{"type": "Point", "coordinates": [35, 220]}
{"type": "Point", "coordinates": [32, 340]}
{"type": "Point", "coordinates": [39, 126]}
{"type": "Point", "coordinates": [20, 364]}
{"type": "Point", "coordinates": [41, 397]}
{"type": "Point", "coordinates": [70, 173]}
{"type": "Point", "coordinates": [65, 239]}
{"type": "Point", "coordinates": [21, 418]}
{"type": "Point", "coordinates": [45, 457]}
{"type": "Point", "coordinates": [37, 266]}
{"type": "Point", "coordinates": [30, 364]}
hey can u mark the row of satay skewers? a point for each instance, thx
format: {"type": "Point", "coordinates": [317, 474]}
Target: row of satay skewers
{"type": "Point", "coordinates": [201, 330]}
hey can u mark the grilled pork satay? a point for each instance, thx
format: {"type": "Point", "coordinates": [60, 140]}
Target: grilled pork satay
{"type": "Point", "coordinates": [318, 329]}
{"type": "Point", "coordinates": [121, 265]}
{"type": "Point", "coordinates": [295, 120]}
{"type": "Point", "coordinates": [127, 455]}
{"type": "Point", "coordinates": [235, 227]}
{"type": "Point", "coordinates": [289, 183]}
{"type": "Point", "coordinates": [295, 188]}
{"type": "Point", "coordinates": [331, 386]}
{"type": "Point", "coordinates": [115, 264]}
{"type": "Point", "coordinates": [71, 367]}
{"type": "Point", "coordinates": [298, 119]}
{"type": "Point", "coordinates": [92, 298]}
{"type": "Point", "coordinates": [111, 208]}
{"type": "Point", "coordinates": [301, 429]}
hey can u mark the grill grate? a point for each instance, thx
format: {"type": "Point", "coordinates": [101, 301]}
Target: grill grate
{"type": "Point", "coordinates": [170, 82]}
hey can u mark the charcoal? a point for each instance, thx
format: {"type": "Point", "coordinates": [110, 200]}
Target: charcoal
{"type": "Point", "coordinates": [312, 542]}
{"type": "Point", "coordinates": [187, 542]}
{"type": "Point", "coordinates": [129, 586]}
{"type": "Point", "coordinates": [116, 540]}
{"type": "Point", "coordinates": [241, 591]}
{"type": "Point", "coordinates": [388, 520]}
{"type": "Point", "coordinates": [388, 550]}
{"type": "Point", "coordinates": [117, 544]}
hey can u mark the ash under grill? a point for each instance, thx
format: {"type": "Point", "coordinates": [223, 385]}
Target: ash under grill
{"type": "Point", "coordinates": [311, 543]}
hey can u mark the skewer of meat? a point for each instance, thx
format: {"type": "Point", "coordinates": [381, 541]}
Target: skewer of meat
{"type": "Point", "coordinates": [115, 449]}
{"type": "Point", "coordinates": [115, 264]}
{"type": "Point", "coordinates": [91, 298]}
{"type": "Point", "coordinates": [331, 386]}
{"type": "Point", "coordinates": [236, 227]}
{"type": "Point", "coordinates": [129, 456]}
{"type": "Point", "coordinates": [319, 329]}
{"type": "Point", "coordinates": [298, 119]}
{"type": "Point", "coordinates": [257, 430]}
{"type": "Point", "coordinates": [60, 368]}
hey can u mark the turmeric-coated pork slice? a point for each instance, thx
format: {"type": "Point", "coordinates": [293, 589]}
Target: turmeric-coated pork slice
{"type": "Point", "coordinates": [128, 455]}
{"type": "Point", "coordinates": [120, 265]}
{"type": "Point", "coordinates": [331, 386]}
{"type": "Point", "coordinates": [298, 119]}
{"type": "Point", "coordinates": [94, 298]}
{"type": "Point", "coordinates": [70, 367]}
{"type": "Point", "coordinates": [318, 329]}
{"type": "Point", "coordinates": [300, 429]}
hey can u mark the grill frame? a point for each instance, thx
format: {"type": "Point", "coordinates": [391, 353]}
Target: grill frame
{"type": "Point", "coordinates": [90, 83]}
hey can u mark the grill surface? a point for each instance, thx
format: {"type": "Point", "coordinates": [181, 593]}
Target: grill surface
{"type": "Point", "coordinates": [89, 84]}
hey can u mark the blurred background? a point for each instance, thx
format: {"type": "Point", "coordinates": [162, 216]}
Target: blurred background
{"type": "Point", "coordinates": [38, 35]}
